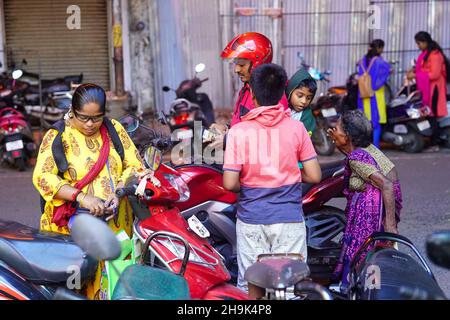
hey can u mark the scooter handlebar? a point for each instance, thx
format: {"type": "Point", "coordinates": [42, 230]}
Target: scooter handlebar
{"type": "Point", "coordinates": [126, 191]}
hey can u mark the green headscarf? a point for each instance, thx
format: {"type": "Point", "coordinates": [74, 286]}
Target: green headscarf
{"type": "Point", "coordinates": [294, 82]}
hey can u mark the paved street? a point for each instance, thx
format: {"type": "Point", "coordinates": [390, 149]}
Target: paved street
{"type": "Point", "coordinates": [425, 180]}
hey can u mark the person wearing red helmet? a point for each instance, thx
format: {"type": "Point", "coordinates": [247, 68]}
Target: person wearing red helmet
{"type": "Point", "coordinates": [249, 50]}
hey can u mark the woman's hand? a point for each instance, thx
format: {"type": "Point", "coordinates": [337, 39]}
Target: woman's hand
{"type": "Point", "coordinates": [93, 204]}
{"type": "Point", "coordinates": [112, 202]}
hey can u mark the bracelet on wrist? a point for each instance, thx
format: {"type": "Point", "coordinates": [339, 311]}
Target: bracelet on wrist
{"type": "Point", "coordinates": [75, 195]}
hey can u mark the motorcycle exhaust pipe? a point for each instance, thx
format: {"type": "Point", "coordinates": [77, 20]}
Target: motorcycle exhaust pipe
{"type": "Point", "coordinates": [396, 139]}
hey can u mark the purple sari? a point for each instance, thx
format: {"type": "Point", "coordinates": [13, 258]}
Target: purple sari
{"type": "Point", "coordinates": [365, 214]}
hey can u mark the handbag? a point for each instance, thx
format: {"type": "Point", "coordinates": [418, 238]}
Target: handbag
{"type": "Point", "coordinates": [365, 81]}
{"type": "Point", "coordinates": [62, 214]}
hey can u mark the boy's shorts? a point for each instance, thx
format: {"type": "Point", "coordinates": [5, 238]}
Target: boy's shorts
{"type": "Point", "coordinates": [256, 239]}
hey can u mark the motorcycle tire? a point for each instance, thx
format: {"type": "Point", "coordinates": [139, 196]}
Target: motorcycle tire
{"type": "Point", "coordinates": [417, 144]}
{"type": "Point", "coordinates": [446, 132]}
{"type": "Point", "coordinates": [322, 143]}
{"type": "Point", "coordinates": [20, 164]}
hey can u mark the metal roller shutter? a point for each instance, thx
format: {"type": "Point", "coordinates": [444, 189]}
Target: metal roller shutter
{"type": "Point", "coordinates": [37, 31]}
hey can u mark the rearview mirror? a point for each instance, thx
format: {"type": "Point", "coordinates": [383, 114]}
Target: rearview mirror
{"type": "Point", "coordinates": [200, 68]}
{"type": "Point", "coordinates": [130, 123]}
{"type": "Point", "coordinates": [438, 248]}
{"type": "Point", "coordinates": [153, 158]}
{"type": "Point", "coordinates": [17, 74]}
{"type": "Point", "coordinates": [95, 237]}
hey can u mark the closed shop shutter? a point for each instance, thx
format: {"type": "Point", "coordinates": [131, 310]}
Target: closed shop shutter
{"type": "Point", "coordinates": [37, 31]}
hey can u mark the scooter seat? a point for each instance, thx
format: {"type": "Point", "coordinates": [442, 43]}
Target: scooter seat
{"type": "Point", "coordinates": [42, 257]}
{"type": "Point", "coordinates": [397, 270]}
{"type": "Point", "coordinates": [140, 282]}
{"type": "Point", "coordinates": [277, 271]}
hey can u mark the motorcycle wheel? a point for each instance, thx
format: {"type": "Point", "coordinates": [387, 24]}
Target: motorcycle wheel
{"type": "Point", "coordinates": [322, 143]}
{"type": "Point", "coordinates": [446, 132]}
{"type": "Point", "coordinates": [417, 144]}
{"type": "Point", "coordinates": [20, 164]}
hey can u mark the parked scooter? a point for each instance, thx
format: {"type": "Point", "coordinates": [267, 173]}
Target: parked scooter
{"type": "Point", "coordinates": [156, 210]}
{"type": "Point", "coordinates": [385, 273]}
{"type": "Point", "coordinates": [190, 105]}
{"type": "Point", "coordinates": [438, 248]}
{"type": "Point", "coordinates": [38, 265]}
{"type": "Point", "coordinates": [215, 207]}
{"type": "Point", "coordinates": [16, 138]}
{"type": "Point", "coordinates": [46, 100]}
{"type": "Point", "coordinates": [444, 126]}
{"type": "Point", "coordinates": [275, 273]}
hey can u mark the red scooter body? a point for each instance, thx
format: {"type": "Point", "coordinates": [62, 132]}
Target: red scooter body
{"type": "Point", "coordinates": [205, 183]}
{"type": "Point", "coordinates": [206, 280]}
{"type": "Point", "coordinates": [16, 142]}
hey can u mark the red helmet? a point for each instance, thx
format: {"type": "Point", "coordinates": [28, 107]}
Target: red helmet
{"type": "Point", "coordinates": [253, 46]}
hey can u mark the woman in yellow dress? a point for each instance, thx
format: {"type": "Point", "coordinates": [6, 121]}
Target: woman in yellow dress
{"type": "Point", "coordinates": [82, 141]}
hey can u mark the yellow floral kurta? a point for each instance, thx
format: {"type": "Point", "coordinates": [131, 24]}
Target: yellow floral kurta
{"type": "Point", "coordinates": [82, 153]}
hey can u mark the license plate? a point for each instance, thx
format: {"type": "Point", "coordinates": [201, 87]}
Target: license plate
{"type": "Point", "coordinates": [184, 134]}
{"type": "Point", "coordinates": [198, 227]}
{"type": "Point", "coordinates": [331, 112]}
{"type": "Point", "coordinates": [424, 125]}
{"type": "Point", "coordinates": [14, 145]}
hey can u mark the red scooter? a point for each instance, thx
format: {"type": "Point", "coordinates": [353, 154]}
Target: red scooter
{"type": "Point", "coordinates": [205, 272]}
{"type": "Point", "coordinates": [216, 208]}
{"type": "Point", "coordinates": [16, 141]}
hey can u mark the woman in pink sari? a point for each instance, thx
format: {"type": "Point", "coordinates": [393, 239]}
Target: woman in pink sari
{"type": "Point", "coordinates": [431, 74]}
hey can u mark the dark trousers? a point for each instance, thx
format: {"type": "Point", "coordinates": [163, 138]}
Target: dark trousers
{"type": "Point", "coordinates": [433, 120]}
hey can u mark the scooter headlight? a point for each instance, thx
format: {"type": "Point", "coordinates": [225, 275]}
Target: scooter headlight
{"type": "Point", "coordinates": [178, 250]}
{"type": "Point", "coordinates": [180, 185]}
{"type": "Point", "coordinates": [413, 113]}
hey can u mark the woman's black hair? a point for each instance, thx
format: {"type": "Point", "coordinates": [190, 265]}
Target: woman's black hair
{"type": "Point", "coordinates": [432, 45]}
{"type": "Point", "coordinates": [373, 49]}
{"type": "Point", "coordinates": [89, 93]}
{"type": "Point", "coordinates": [357, 127]}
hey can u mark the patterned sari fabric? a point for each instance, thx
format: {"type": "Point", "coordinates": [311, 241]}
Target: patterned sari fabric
{"type": "Point", "coordinates": [82, 152]}
{"type": "Point", "coordinates": [365, 211]}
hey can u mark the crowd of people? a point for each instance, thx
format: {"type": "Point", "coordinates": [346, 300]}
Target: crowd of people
{"type": "Point", "coordinates": [80, 164]}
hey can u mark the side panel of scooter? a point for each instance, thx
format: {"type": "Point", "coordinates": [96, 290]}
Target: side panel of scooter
{"type": "Point", "coordinates": [208, 180]}
{"type": "Point", "coordinates": [226, 292]}
{"type": "Point", "coordinates": [200, 277]}
{"type": "Point", "coordinates": [322, 193]}
{"type": "Point", "coordinates": [12, 287]}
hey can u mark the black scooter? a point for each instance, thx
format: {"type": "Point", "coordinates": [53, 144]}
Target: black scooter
{"type": "Point", "coordinates": [385, 273]}
{"type": "Point", "coordinates": [187, 90]}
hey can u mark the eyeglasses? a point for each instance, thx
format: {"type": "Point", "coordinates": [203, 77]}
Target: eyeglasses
{"type": "Point", "coordinates": [85, 119]}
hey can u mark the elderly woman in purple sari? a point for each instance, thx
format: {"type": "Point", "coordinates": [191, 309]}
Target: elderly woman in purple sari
{"type": "Point", "coordinates": [379, 71]}
{"type": "Point", "coordinates": [373, 193]}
